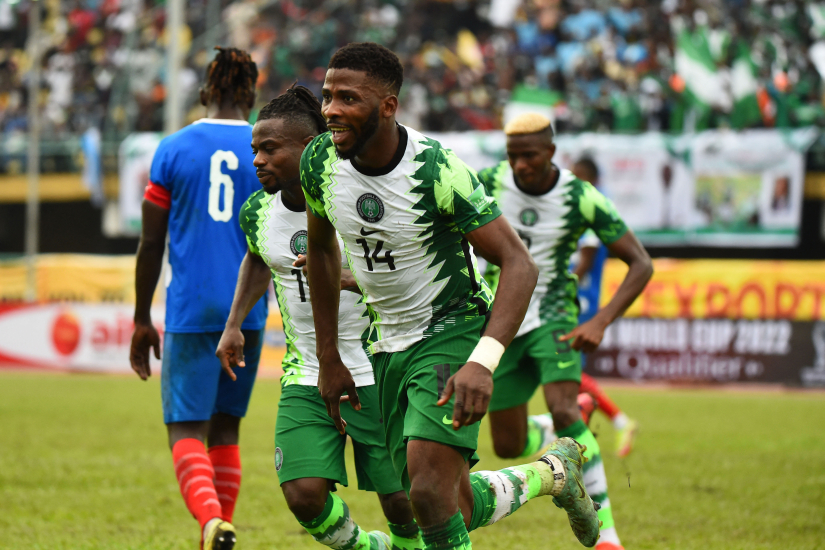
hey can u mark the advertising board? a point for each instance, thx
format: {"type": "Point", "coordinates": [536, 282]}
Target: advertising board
{"type": "Point", "coordinates": [719, 321]}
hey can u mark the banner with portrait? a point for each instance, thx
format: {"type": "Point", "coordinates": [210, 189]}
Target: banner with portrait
{"type": "Point", "coordinates": [715, 188]}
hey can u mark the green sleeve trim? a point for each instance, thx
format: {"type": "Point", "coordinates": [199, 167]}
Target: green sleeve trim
{"type": "Point", "coordinates": [252, 247]}
{"type": "Point", "coordinates": [488, 217]}
{"type": "Point", "coordinates": [454, 179]}
{"type": "Point", "coordinates": [600, 214]}
{"type": "Point", "coordinates": [493, 179]}
{"type": "Point", "coordinates": [312, 170]}
{"type": "Point", "coordinates": [459, 193]}
{"type": "Point", "coordinates": [249, 219]}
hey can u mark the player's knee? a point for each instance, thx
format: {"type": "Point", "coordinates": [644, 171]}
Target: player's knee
{"type": "Point", "coordinates": [223, 429]}
{"type": "Point", "coordinates": [186, 430]}
{"type": "Point", "coordinates": [305, 500]}
{"type": "Point", "coordinates": [425, 495]}
{"type": "Point", "coordinates": [508, 447]}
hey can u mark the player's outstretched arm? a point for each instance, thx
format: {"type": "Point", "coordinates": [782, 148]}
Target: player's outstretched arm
{"type": "Point", "coordinates": [253, 280]}
{"type": "Point", "coordinates": [147, 271]}
{"type": "Point", "coordinates": [324, 277]}
{"type": "Point", "coordinates": [498, 243]}
{"type": "Point", "coordinates": [587, 337]}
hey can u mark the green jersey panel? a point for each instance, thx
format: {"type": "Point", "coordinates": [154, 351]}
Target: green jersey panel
{"type": "Point", "coordinates": [403, 234]}
{"type": "Point", "coordinates": [550, 226]}
{"type": "Point", "coordinates": [278, 235]}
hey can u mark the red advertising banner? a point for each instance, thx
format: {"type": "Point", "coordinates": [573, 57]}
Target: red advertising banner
{"type": "Point", "coordinates": [87, 337]}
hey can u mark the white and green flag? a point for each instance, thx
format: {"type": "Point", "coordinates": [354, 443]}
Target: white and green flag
{"type": "Point", "coordinates": [694, 62]}
{"type": "Point", "coordinates": [744, 88]}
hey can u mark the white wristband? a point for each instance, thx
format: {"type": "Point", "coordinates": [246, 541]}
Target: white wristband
{"type": "Point", "coordinates": [487, 353]}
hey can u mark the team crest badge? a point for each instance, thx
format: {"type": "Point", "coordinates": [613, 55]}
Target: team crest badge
{"type": "Point", "coordinates": [529, 217]}
{"type": "Point", "coordinates": [370, 207]}
{"type": "Point", "coordinates": [298, 243]}
{"type": "Point", "coordinates": [279, 459]}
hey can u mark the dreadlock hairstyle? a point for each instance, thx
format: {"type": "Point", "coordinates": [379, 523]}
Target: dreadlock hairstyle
{"type": "Point", "coordinates": [231, 77]}
{"type": "Point", "coordinates": [374, 59]}
{"type": "Point", "coordinates": [296, 105]}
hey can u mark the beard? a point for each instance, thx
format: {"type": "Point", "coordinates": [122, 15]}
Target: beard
{"type": "Point", "coordinates": [281, 184]}
{"type": "Point", "coordinates": [362, 137]}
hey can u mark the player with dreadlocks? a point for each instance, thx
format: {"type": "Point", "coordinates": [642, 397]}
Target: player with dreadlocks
{"type": "Point", "coordinates": [309, 451]}
{"type": "Point", "coordinates": [196, 189]}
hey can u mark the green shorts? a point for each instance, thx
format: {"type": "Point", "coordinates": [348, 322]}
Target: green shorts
{"type": "Point", "coordinates": [410, 382]}
{"type": "Point", "coordinates": [532, 360]}
{"type": "Point", "coordinates": [307, 444]}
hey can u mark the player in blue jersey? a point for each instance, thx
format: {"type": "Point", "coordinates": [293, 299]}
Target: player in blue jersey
{"type": "Point", "coordinates": [196, 189]}
{"type": "Point", "coordinates": [588, 267]}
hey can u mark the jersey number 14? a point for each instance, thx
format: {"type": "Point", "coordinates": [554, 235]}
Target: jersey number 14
{"type": "Point", "coordinates": [218, 181]}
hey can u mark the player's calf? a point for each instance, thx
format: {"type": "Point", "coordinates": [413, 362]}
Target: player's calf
{"type": "Point", "coordinates": [404, 532]}
{"type": "Point", "coordinates": [558, 474]}
{"type": "Point", "coordinates": [435, 472]}
{"type": "Point", "coordinates": [326, 516]}
{"type": "Point", "coordinates": [396, 507]}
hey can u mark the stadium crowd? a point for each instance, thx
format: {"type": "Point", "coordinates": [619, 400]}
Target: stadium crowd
{"type": "Point", "coordinates": [602, 65]}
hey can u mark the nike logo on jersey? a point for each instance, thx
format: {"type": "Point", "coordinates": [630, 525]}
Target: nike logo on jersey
{"type": "Point", "coordinates": [446, 420]}
{"type": "Point", "coordinates": [565, 364]}
{"type": "Point", "coordinates": [365, 233]}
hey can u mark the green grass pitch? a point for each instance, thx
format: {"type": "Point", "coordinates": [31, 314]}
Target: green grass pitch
{"type": "Point", "coordinates": [84, 464]}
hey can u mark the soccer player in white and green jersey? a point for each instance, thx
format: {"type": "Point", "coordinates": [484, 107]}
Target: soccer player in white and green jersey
{"type": "Point", "coordinates": [550, 209]}
{"type": "Point", "coordinates": [309, 451]}
{"type": "Point", "coordinates": [407, 211]}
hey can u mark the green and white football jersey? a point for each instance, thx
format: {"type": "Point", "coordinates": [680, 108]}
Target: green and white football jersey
{"type": "Point", "coordinates": [278, 234]}
{"type": "Point", "coordinates": [550, 226]}
{"type": "Point", "coordinates": [403, 230]}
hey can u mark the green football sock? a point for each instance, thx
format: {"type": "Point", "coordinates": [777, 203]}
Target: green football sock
{"type": "Point", "coordinates": [496, 495]}
{"type": "Point", "coordinates": [533, 439]}
{"type": "Point", "coordinates": [406, 537]}
{"type": "Point", "coordinates": [594, 478]}
{"type": "Point", "coordinates": [539, 434]}
{"type": "Point", "coordinates": [336, 529]}
{"type": "Point", "coordinates": [452, 534]}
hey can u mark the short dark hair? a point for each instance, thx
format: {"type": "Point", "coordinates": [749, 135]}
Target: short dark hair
{"type": "Point", "coordinates": [374, 59]}
{"type": "Point", "coordinates": [297, 105]}
{"type": "Point", "coordinates": [590, 166]}
{"type": "Point", "coordinates": [231, 77]}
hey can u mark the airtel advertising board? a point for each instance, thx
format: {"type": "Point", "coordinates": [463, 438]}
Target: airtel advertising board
{"type": "Point", "coordinates": [82, 337]}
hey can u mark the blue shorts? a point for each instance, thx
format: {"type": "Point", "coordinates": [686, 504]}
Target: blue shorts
{"type": "Point", "coordinates": [192, 383]}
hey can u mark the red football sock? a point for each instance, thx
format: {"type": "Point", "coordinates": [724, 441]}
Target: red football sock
{"type": "Point", "coordinates": [196, 479]}
{"type": "Point", "coordinates": [226, 459]}
{"type": "Point", "coordinates": [606, 404]}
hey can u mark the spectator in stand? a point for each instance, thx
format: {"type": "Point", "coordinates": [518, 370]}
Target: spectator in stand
{"type": "Point", "coordinates": [612, 66]}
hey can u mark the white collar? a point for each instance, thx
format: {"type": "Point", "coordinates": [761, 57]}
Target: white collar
{"type": "Point", "coordinates": [225, 121]}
